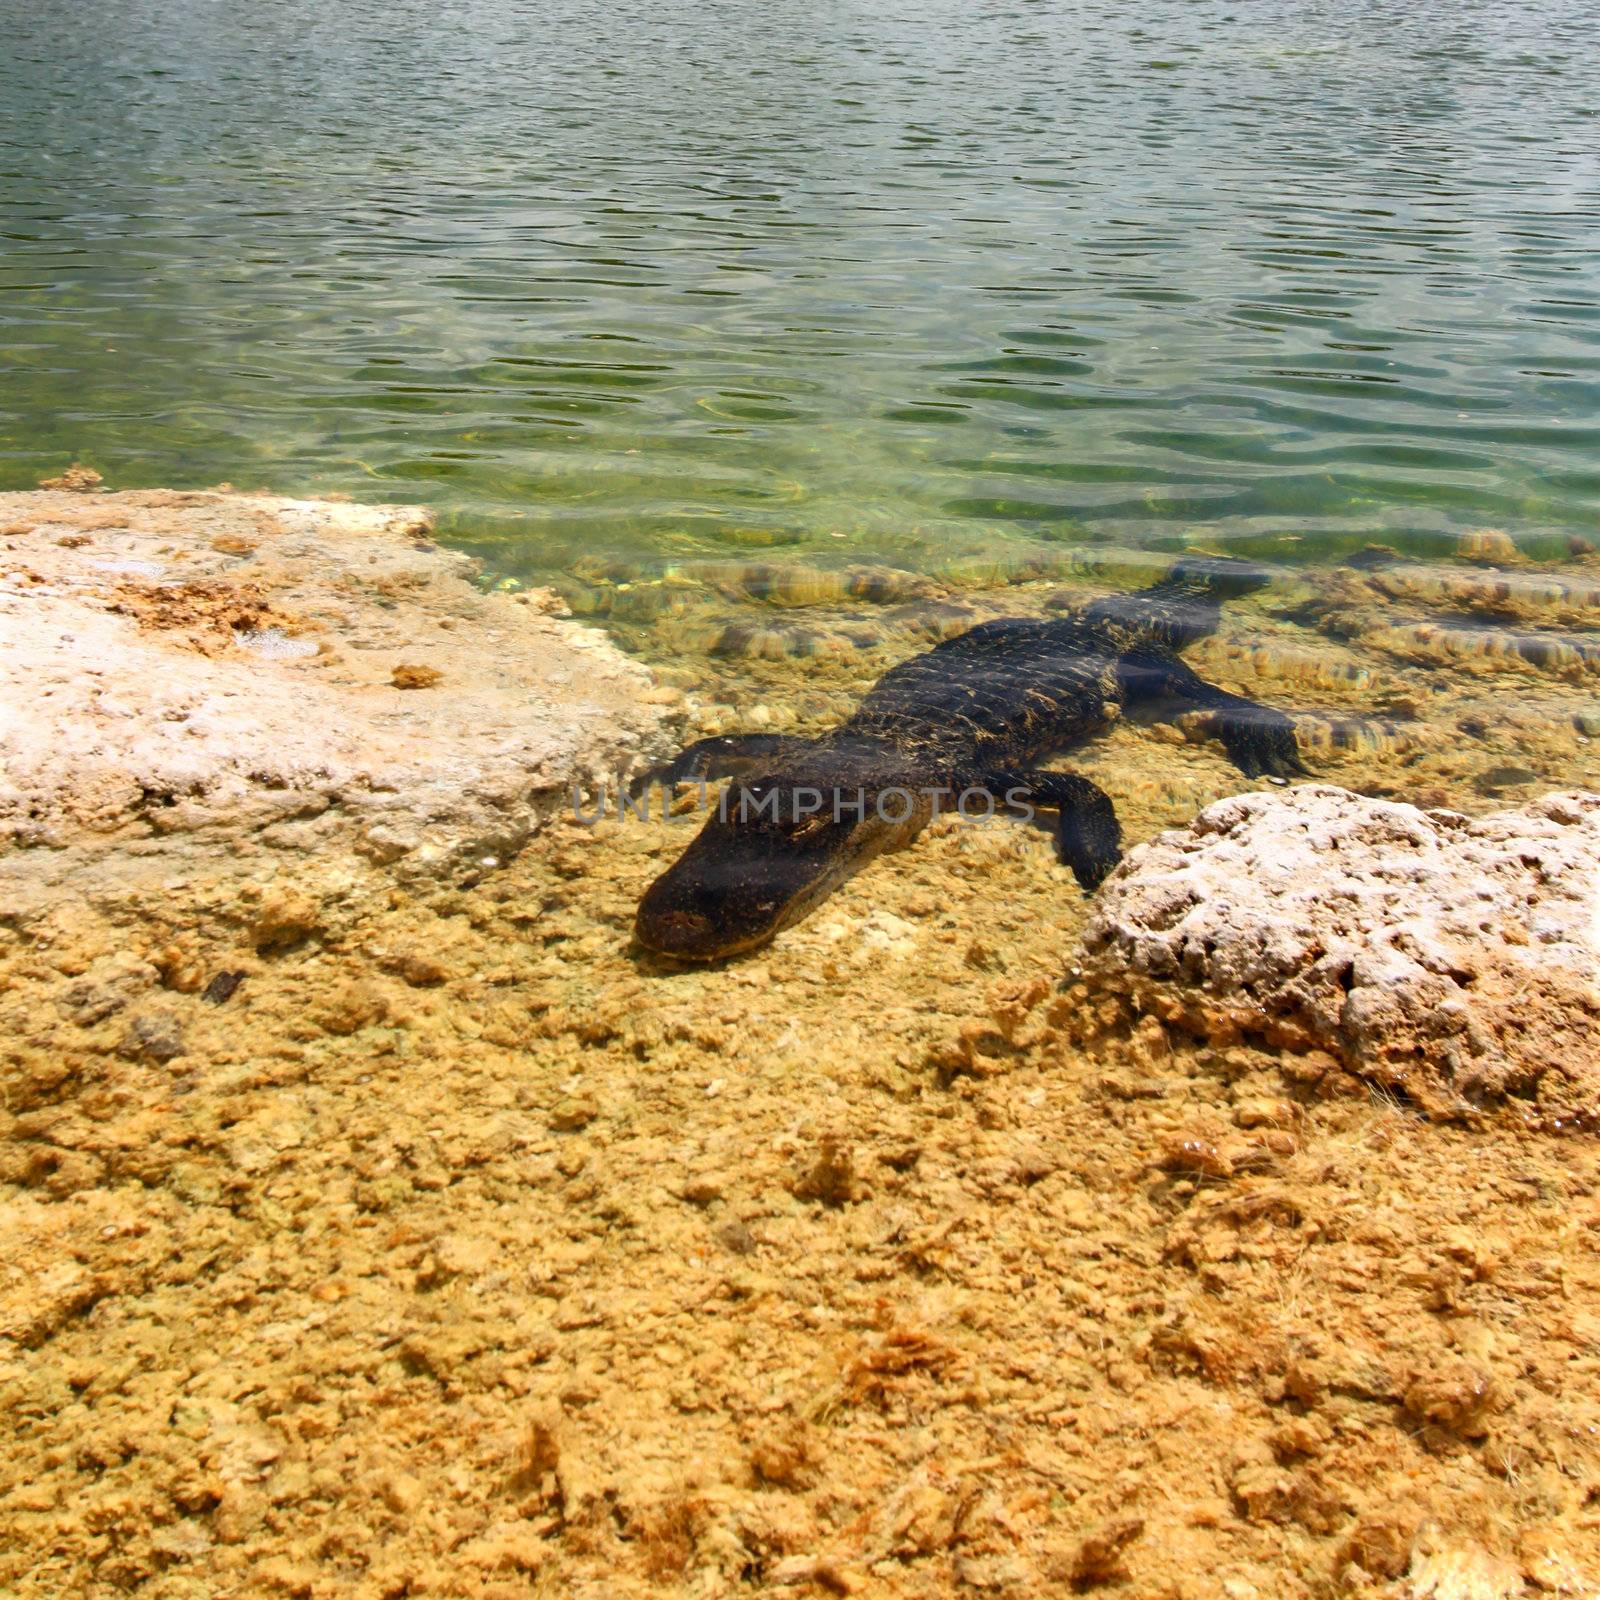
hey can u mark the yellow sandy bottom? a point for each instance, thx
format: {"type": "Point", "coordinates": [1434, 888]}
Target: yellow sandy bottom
{"type": "Point", "coordinates": [464, 1251]}
{"type": "Point", "coordinates": [459, 1249]}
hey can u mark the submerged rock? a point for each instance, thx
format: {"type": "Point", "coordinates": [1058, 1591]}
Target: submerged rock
{"type": "Point", "coordinates": [1454, 961]}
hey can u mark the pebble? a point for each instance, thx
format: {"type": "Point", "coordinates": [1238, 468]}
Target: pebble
{"type": "Point", "coordinates": [156, 1038]}
{"type": "Point", "coordinates": [1264, 1113]}
{"type": "Point", "coordinates": [573, 1112]}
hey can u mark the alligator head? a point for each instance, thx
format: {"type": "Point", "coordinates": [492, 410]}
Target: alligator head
{"type": "Point", "coordinates": [771, 851]}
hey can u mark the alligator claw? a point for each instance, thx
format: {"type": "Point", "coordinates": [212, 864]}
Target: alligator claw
{"type": "Point", "coordinates": [723, 755]}
{"type": "Point", "coordinates": [669, 774]}
{"type": "Point", "coordinates": [1089, 843]}
{"type": "Point", "coordinates": [1088, 835]}
{"type": "Point", "coordinates": [1260, 742]}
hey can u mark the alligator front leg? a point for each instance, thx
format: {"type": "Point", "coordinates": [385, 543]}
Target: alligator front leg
{"type": "Point", "coordinates": [1088, 835]}
{"type": "Point", "coordinates": [724, 755]}
{"type": "Point", "coordinates": [1259, 740]}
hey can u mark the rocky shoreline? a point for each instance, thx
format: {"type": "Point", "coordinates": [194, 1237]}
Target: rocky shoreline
{"type": "Point", "coordinates": [206, 675]}
{"type": "Point", "coordinates": [379, 1223]}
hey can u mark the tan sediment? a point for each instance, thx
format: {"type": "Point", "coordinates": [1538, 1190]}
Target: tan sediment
{"type": "Point", "coordinates": [372, 1235]}
{"type": "Point", "coordinates": [1535, 623]}
{"type": "Point", "coordinates": [1524, 594]}
{"type": "Point", "coordinates": [1465, 648]}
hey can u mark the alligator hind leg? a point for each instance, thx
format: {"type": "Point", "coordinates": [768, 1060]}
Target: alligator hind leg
{"type": "Point", "coordinates": [1259, 740]}
{"type": "Point", "coordinates": [1088, 835]}
{"type": "Point", "coordinates": [725, 755]}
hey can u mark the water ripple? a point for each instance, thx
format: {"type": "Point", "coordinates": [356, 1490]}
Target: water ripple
{"type": "Point", "coordinates": [653, 278]}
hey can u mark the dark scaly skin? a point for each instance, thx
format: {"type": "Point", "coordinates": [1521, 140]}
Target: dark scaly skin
{"type": "Point", "coordinates": [978, 712]}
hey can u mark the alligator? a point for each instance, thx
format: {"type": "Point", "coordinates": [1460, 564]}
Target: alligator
{"type": "Point", "coordinates": [972, 717]}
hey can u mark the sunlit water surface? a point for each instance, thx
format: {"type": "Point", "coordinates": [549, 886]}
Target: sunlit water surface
{"type": "Point", "coordinates": [625, 288]}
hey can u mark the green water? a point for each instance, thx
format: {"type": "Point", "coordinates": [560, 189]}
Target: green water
{"type": "Point", "coordinates": [911, 282]}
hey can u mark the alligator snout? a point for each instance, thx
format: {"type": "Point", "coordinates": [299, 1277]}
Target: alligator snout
{"type": "Point", "coordinates": [685, 934]}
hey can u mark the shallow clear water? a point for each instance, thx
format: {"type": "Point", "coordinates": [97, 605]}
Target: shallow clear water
{"type": "Point", "coordinates": [614, 285]}
{"type": "Point", "coordinates": [650, 277]}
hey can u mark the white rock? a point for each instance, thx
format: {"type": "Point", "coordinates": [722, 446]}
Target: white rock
{"type": "Point", "coordinates": [247, 678]}
{"type": "Point", "coordinates": [1456, 961]}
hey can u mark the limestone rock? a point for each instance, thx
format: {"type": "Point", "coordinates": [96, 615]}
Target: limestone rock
{"type": "Point", "coordinates": [1455, 961]}
{"type": "Point", "coordinates": [198, 673]}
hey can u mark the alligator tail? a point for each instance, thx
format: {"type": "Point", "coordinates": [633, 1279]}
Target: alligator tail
{"type": "Point", "coordinates": [1215, 577]}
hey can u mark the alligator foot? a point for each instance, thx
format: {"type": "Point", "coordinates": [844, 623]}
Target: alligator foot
{"type": "Point", "coordinates": [1260, 741]}
{"type": "Point", "coordinates": [727, 755]}
{"type": "Point", "coordinates": [1088, 835]}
